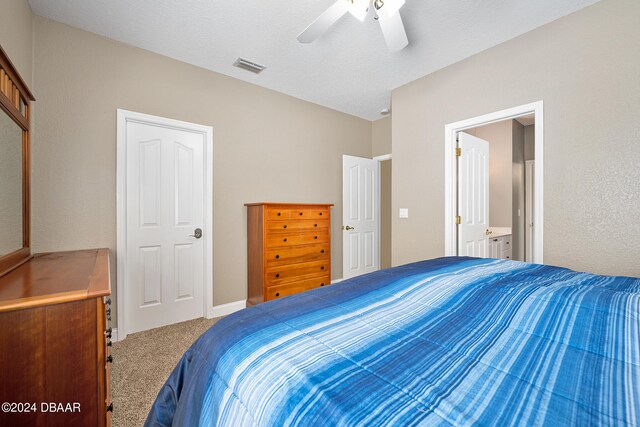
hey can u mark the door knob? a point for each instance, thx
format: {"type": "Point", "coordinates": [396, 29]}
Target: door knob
{"type": "Point", "coordinates": [348, 228]}
{"type": "Point", "coordinates": [197, 233]}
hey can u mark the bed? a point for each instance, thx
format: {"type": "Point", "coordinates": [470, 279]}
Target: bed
{"type": "Point", "coordinates": [449, 341]}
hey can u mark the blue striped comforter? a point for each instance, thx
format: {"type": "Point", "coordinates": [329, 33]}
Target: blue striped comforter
{"type": "Point", "coordinates": [450, 341]}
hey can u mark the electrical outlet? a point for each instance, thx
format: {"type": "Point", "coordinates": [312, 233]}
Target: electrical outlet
{"type": "Point", "coordinates": [404, 213]}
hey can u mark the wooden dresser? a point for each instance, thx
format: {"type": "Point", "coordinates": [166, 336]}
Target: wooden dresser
{"type": "Point", "coordinates": [289, 249]}
{"type": "Point", "coordinates": [54, 341]}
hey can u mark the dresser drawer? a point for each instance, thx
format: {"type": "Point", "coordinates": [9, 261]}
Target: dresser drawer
{"type": "Point", "coordinates": [274, 214]}
{"type": "Point", "coordinates": [277, 214]}
{"type": "Point", "coordinates": [279, 291]}
{"type": "Point", "coordinates": [282, 226]}
{"type": "Point", "coordinates": [317, 213]}
{"type": "Point", "coordinates": [300, 213]}
{"type": "Point", "coordinates": [314, 225]}
{"type": "Point", "coordinates": [308, 237]}
{"type": "Point", "coordinates": [294, 254]}
{"type": "Point", "coordinates": [288, 273]}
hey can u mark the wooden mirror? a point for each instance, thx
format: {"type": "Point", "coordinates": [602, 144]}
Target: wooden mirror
{"type": "Point", "coordinates": [15, 99]}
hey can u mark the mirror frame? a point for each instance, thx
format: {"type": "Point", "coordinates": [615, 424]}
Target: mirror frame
{"type": "Point", "coordinates": [15, 101]}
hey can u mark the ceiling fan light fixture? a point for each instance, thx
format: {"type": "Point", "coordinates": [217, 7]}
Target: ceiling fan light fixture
{"type": "Point", "coordinates": [386, 10]}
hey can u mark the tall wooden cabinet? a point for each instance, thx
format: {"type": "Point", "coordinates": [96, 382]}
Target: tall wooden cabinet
{"type": "Point", "coordinates": [54, 340]}
{"type": "Point", "coordinates": [289, 249]}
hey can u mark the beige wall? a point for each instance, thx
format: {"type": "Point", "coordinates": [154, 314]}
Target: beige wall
{"type": "Point", "coordinates": [381, 137]}
{"type": "Point", "coordinates": [16, 36]}
{"type": "Point", "coordinates": [499, 135]}
{"type": "Point", "coordinates": [585, 69]}
{"type": "Point", "coordinates": [267, 146]}
{"type": "Point", "coordinates": [385, 213]}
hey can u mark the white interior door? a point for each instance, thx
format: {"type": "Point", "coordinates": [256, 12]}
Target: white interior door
{"type": "Point", "coordinates": [529, 169]}
{"type": "Point", "coordinates": [473, 196]}
{"type": "Point", "coordinates": [360, 216]}
{"type": "Point", "coordinates": [165, 181]}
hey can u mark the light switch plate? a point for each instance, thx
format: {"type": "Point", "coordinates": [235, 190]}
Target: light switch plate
{"type": "Point", "coordinates": [404, 213]}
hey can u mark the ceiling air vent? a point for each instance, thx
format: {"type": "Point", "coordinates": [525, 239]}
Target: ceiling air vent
{"type": "Point", "coordinates": [249, 66]}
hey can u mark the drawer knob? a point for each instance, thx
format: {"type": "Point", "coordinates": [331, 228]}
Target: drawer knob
{"type": "Point", "coordinates": [322, 251]}
{"type": "Point", "coordinates": [277, 294]}
{"type": "Point", "coordinates": [279, 214]}
{"type": "Point", "coordinates": [322, 268]}
{"type": "Point", "coordinates": [277, 256]}
{"type": "Point", "coordinates": [277, 274]}
{"type": "Point", "coordinates": [321, 284]}
{"type": "Point", "coordinates": [506, 243]}
{"type": "Point", "coordinates": [315, 225]}
{"type": "Point", "coordinates": [110, 407]}
{"type": "Point", "coordinates": [300, 213]}
{"type": "Point", "coordinates": [284, 226]}
{"type": "Point", "coordinates": [315, 237]}
{"type": "Point", "coordinates": [285, 239]}
{"type": "Point", "coordinates": [320, 213]}
{"type": "Point", "coordinates": [109, 359]}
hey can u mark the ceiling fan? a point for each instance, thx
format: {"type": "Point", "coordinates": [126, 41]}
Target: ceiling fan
{"type": "Point", "coordinates": [387, 14]}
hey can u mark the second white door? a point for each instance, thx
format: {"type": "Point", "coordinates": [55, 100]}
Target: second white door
{"type": "Point", "coordinates": [360, 216]}
{"type": "Point", "coordinates": [473, 196]}
{"type": "Point", "coordinates": [164, 274]}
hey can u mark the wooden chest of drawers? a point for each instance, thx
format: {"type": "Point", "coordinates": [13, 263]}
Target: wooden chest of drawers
{"type": "Point", "coordinates": [54, 340]}
{"type": "Point", "coordinates": [289, 249]}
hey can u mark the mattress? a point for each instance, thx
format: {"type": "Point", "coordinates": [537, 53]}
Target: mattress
{"type": "Point", "coordinates": [450, 341]}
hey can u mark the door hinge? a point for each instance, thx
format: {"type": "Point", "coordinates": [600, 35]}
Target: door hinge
{"type": "Point", "coordinates": [458, 220]}
{"type": "Point", "coordinates": [458, 151]}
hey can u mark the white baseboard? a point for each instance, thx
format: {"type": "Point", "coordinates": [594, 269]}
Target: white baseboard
{"type": "Point", "coordinates": [336, 281]}
{"type": "Point", "coordinates": [212, 312]}
{"type": "Point", "coordinates": [225, 309]}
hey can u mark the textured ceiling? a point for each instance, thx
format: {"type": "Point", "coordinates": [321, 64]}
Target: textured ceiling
{"type": "Point", "coordinates": [348, 68]}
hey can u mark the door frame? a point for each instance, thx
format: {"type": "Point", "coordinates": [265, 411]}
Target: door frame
{"type": "Point", "coordinates": [527, 194]}
{"type": "Point", "coordinates": [451, 173]}
{"type": "Point", "coordinates": [123, 117]}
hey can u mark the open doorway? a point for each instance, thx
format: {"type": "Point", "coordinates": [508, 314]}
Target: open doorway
{"type": "Point", "coordinates": [511, 147]}
{"type": "Point", "coordinates": [493, 202]}
{"type": "Point", "coordinates": [366, 214]}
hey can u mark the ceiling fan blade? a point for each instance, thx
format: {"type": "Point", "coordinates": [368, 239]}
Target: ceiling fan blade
{"type": "Point", "coordinates": [393, 31]}
{"type": "Point", "coordinates": [324, 21]}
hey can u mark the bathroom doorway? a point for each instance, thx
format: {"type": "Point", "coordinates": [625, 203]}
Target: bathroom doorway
{"type": "Point", "coordinates": [508, 226]}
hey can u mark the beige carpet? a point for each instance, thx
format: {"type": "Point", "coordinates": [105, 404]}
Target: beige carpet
{"type": "Point", "coordinates": [142, 363]}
